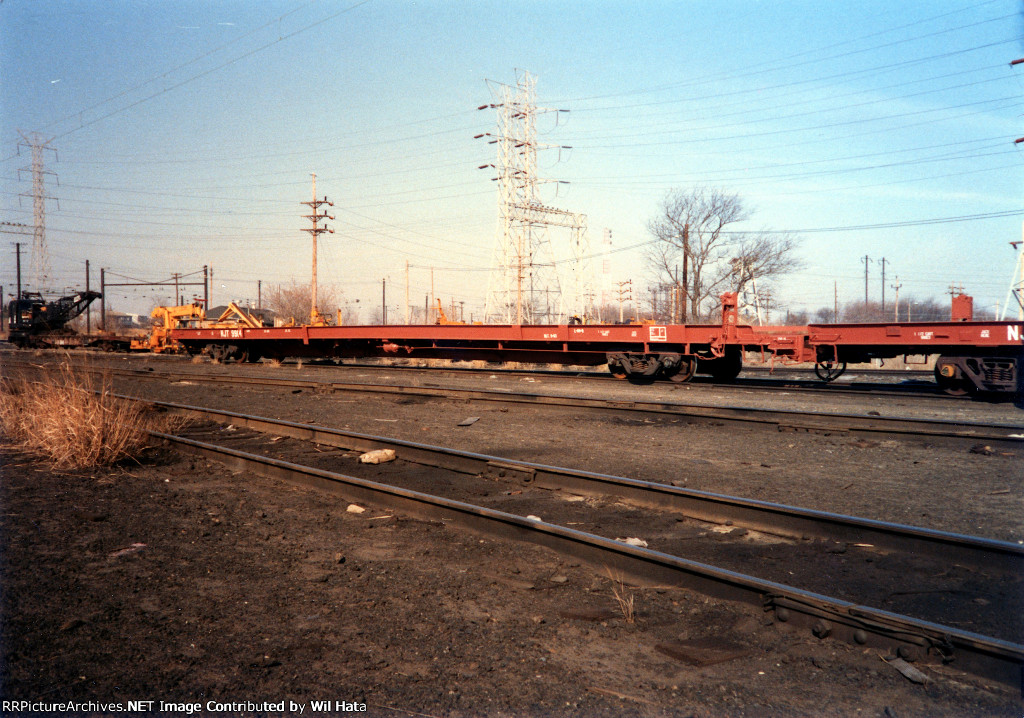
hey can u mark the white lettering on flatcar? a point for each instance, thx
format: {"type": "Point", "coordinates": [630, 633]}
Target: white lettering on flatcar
{"type": "Point", "coordinates": [1013, 332]}
{"type": "Point", "coordinates": [604, 332]}
{"type": "Point", "coordinates": [552, 335]}
{"type": "Point", "coordinates": [925, 336]}
{"type": "Point", "coordinates": [984, 334]}
{"type": "Point", "coordinates": [231, 333]}
{"type": "Point", "coordinates": [658, 334]}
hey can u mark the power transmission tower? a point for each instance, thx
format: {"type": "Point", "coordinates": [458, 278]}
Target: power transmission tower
{"type": "Point", "coordinates": [40, 262]}
{"type": "Point", "coordinates": [314, 312]}
{"type": "Point", "coordinates": [524, 270]}
{"type": "Point", "coordinates": [1015, 295]}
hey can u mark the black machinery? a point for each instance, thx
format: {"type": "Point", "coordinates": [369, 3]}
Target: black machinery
{"type": "Point", "coordinates": [30, 316]}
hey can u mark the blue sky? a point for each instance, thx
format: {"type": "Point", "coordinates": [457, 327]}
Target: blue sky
{"type": "Point", "coordinates": [186, 132]}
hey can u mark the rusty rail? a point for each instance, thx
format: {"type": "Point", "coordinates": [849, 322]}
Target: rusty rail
{"type": "Point", "coordinates": [825, 617]}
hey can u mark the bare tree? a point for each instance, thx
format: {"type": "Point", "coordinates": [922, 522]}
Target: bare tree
{"type": "Point", "coordinates": [697, 252]}
{"type": "Point", "coordinates": [293, 301]}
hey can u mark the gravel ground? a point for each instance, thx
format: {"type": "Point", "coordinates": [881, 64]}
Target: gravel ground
{"type": "Point", "coordinates": [177, 580]}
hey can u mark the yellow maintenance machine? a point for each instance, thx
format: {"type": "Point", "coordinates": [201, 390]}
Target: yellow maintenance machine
{"type": "Point", "coordinates": [189, 316]}
{"type": "Point", "coordinates": [164, 320]}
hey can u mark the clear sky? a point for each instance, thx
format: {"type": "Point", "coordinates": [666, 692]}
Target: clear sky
{"type": "Point", "coordinates": [186, 131]}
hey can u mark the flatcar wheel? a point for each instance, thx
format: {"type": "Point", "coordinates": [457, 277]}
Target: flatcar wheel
{"type": "Point", "coordinates": [953, 386]}
{"type": "Point", "coordinates": [616, 371]}
{"type": "Point", "coordinates": [726, 368]}
{"type": "Point", "coordinates": [687, 367]}
{"type": "Point", "coordinates": [829, 370]}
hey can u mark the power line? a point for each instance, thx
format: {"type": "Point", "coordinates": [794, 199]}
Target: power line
{"type": "Point", "coordinates": [214, 69]}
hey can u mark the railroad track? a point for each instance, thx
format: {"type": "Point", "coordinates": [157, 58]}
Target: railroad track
{"type": "Point", "coordinates": [759, 378]}
{"type": "Point", "coordinates": [788, 379]}
{"type": "Point", "coordinates": [912, 637]}
{"type": "Point", "coordinates": [935, 431]}
{"type": "Point", "coordinates": [672, 564]}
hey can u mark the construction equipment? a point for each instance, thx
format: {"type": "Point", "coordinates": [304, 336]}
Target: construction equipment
{"type": "Point", "coordinates": [234, 316]}
{"type": "Point", "coordinates": [31, 319]}
{"type": "Point", "coordinates": [165, 319]}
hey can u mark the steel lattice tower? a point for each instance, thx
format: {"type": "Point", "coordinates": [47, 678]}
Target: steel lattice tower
{"type": "Point", "coordinates": [525, 284]}
{"type": "Point", "coordinates": [40, 261]}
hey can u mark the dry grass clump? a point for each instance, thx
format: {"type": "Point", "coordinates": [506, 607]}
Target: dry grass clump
{"type": "Point", "coordinates": [71, 419]}
{"type": "Point", "coordinates": [623, 597]}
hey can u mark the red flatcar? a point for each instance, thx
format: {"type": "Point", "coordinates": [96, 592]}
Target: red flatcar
{"type": "Point", "coordinates": [983, 356]}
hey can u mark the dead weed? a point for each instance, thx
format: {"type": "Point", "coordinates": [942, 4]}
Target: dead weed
{"type": "Point", "coordinates": [72, 419]}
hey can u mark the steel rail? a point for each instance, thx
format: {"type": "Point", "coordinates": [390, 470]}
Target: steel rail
{"type": "Point", "coordinates": [991, 658]}
{"type": "Point", "coordinates": [870, 387]}
{"type": "Point", "coordinates": [752, 383]}
{"type": "Point", "coordinates": [983, 554]}
{"type": "Point", "coordinates": [993, 434]}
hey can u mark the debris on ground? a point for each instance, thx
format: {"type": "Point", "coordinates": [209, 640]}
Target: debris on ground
{"type": "Point", "coordinates": [908, 671]}
{"type": "Point", "coordinates": [378, 456]}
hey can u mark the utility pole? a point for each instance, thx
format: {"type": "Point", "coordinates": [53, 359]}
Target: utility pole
{"type": "Point", "coordinates": [407, 291]}
{"type": "Point", "coordinates": [896, 287]}
{"type": "Point", "coordinates": [625, 293]}
{"type": "Point", "coordinates": [103, 299]}
{"type": "Point", "coordinates": [259, 297]}
{"type": "Point", "coordinates": [882, 262]}
{"type": "Point", "coordinates": [384, 299]}
{"type": "Point", "coordinates": [867, 261]}
{"type": "Point", "coordinates": [685, 297]}
{"type": "Point", "coordinates": [317, 230]}
{"type": "Point", "coordinates": [835, 304]}
{"type": "Point", "coordinates": [17, 251]}
{"type": "Point", "coordinates": [88, 307]}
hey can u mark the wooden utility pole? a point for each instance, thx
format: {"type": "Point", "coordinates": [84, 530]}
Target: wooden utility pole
{"type": "Point", "coordinates": [897, 288]}
{"type": "Point", "coordinates": [685, 299]}
{"type": "Point", "coordinates": [867, 261]}
{"type": "Point", "coordinates": [625, 292]}
{"type": "Point", "coordinates": [882, 261]}
{"type": "Point", "coordinates": [17, 252]}
{"type": "Point", "coordinates": [88, 308]}
{"type": "Point", "coordinates": [317, 230]}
